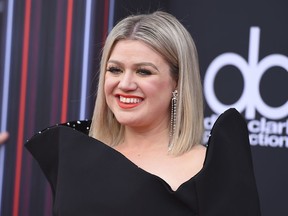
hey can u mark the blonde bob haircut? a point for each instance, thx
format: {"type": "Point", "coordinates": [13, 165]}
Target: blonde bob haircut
{"type": "Point", "coordinates": [166, 35]}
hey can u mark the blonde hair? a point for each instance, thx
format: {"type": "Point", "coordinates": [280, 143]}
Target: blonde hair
{"type": "Point", "coordinates": [165, 34]}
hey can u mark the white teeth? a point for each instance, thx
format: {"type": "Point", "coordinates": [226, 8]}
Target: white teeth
{"type": "Point", "coordinates": [130, 100]}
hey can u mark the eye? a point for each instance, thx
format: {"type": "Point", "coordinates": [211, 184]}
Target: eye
{"type": "Point", "coordinates": [144, 72]}
{"type": "Point", "coordinates": [114, 70]}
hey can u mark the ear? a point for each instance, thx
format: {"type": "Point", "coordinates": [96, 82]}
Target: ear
{"type": "Point", "coordinates": [175, 84]}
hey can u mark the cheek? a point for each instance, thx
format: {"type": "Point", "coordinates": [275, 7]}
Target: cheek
{"type": "Point", "coordinates": [161, 91]}
{"type": "Point", "coordinates": [108, 92]}
{"type": "Point", "coordinates": [109, 85]}
{"type": "Point", "coordinates": [166, 86]}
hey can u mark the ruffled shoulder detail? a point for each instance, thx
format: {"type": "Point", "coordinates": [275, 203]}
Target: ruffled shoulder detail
{"type": "Point", "coordinates": [44, 146]}
{"type": "Point", "coordinates": [79, 125]}
{"type": "Point", "coordinates": [226, 185]}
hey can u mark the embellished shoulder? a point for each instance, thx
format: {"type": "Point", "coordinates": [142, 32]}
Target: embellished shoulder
{"type": "Point", "coordinates": [79, 125]}
{"type": "Point", "coordinates": [45, 145]}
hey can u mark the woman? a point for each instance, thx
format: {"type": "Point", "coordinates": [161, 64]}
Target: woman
{"type": "Point", "coordinates": [143, 154]}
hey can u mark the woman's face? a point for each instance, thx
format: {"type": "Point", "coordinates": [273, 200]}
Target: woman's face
{"type": "Point", "coordinates": [138, 85]}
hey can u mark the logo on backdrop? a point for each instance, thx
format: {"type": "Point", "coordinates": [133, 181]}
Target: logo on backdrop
{"type": "Point", "coordinates": [266, 131]}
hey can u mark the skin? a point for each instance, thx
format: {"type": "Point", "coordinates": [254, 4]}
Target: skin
{"type": "Point", "coordinates": [3, 137]}
{"type": "Point", "coordinates": [142, 76]}
{"type": "Point", "coordinates": [138, 88]}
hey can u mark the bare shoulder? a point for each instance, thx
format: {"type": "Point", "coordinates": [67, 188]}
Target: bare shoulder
{"type": "Point", "coordinates": [191, 162]}
{"type": "Point", "coordinates": [197, 154]}
{"type": "Point", "coordinates": [199, 150]}
{"type": "Point", "coordinates": [199, 147]}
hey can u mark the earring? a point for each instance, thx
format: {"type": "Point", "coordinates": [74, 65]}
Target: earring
{"type": "Point", "coordinates": [173, 115]}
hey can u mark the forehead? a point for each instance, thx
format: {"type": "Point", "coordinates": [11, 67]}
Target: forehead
{"type": "Point", "coordinates": [134, 50]}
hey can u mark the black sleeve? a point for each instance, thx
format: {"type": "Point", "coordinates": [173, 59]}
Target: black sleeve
{"type": "Point", "coordinates": [227, 186]}
{"type": "Point", "coordinates": [44, 148]}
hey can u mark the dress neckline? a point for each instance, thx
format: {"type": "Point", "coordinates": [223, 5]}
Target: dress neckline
{"type": "Point", "coordinates": [82, 127]}
{"type": "Point", "coordinates": [139, 169]}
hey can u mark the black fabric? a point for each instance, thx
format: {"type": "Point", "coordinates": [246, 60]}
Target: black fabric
{"type": "Point", "coordinates": [90, 178]}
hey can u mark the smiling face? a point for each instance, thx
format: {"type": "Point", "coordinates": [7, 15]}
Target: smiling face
{"type": "Point", "coordinates": [138, 85]}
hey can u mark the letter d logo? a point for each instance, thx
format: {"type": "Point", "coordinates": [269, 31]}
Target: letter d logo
{"type": "Point", "coordinates": [252, 72]}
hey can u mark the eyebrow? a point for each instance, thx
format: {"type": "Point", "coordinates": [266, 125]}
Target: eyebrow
{"type": "Point", "coordinates": [138, 64]}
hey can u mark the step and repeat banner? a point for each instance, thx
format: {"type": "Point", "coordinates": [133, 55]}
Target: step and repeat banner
{"type": "Point", "coordinates": [50, 52]}
{"type": "Point", "coordinates": [243, 52]}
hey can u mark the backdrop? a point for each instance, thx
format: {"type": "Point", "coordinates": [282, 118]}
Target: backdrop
{"type": "Point", "coordinates": [50, 52]}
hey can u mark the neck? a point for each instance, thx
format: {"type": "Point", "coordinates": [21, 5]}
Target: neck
{"type": "Point", "coordinates": [146, 140]}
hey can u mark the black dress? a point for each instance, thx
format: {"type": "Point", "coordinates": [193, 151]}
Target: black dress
{"type": "Point", "coordinates": [88, 177]}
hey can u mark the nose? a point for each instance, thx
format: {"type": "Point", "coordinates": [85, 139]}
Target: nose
{"type": "Point", "coordinates": [127, 82]}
